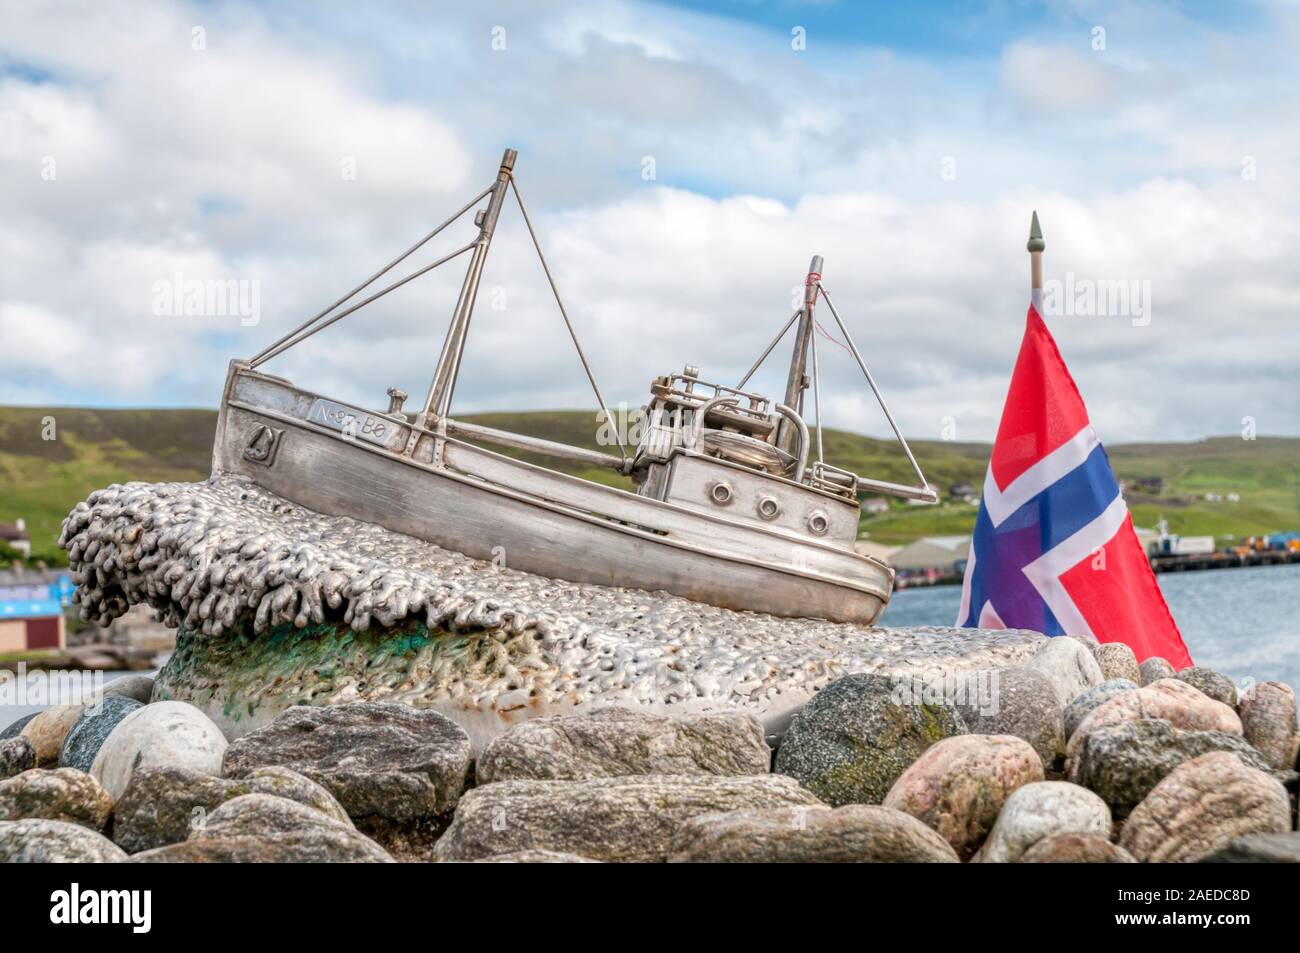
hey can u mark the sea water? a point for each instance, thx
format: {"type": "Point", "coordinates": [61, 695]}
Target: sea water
{"type": "Point", "coordinates": [1242, 622]}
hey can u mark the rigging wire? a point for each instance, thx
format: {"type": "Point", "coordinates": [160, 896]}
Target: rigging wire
{"type": "Point", "coordinates": [567, 323]}
{"type": "Point", "coordinates": [880, 398]}
{"type": "Point", "coordinates": [361, 304]}
{"type": "Point", "coordinates": [280, 345]}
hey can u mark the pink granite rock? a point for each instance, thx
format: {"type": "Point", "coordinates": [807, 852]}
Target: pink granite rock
{"type": "Point", "coordinates": [958, 785]}
{"type": "Point", "coordinates": [1169, 699]}
{"type": "Point", "coordinates": [1201, 806]}
{"type": "Point", "coordinates": [1268, 717]}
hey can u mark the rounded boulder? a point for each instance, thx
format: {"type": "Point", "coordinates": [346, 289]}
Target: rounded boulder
{"type": "Point", "coordinates": [1091, 700]}
{"type": "Point", "coordinates": [1268, 718]}
{"type": "Point", "coordinates": [164, 734]}
{"type": "Point", "coordinates": [1117, 661]}
{"type": "Point", "coordinates": [1041, 810]}
{"type": "Point", "coordinates": [48, 730]}
{"type": "Point", "coordinates": [61, 794]}
{"type": "Point", "coordinates": [1071, 667]}
{"type": "Point", "coordinates": [1170, 700]}
{"type": "Point", "coordinates": [16, 756]}
{"type": "Point", "coordinates": [1017, 700]}
{"type": "Point", "coordinates": [959, 785]}
{"type": "Point", "coordinates": [1209, 682]}
{"type": "Point", "coordinates": [38, 841]}
{"type": "Point", "coordinates": [1076, 849]}
{"type": "Point", "coordinates": [1201, 807]}
{"type": "Point", "coordinates": [91, 730]}
{"type": "Point", "coordinates": [1154, 669]}
{"type": "Point", "coordinates": [855, 833]}
{"type": "Point", "coordinates": [860, 733]}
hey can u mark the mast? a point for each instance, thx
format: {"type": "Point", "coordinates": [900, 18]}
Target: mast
{"type": "Point", "coordinates": [797, 382]}
{"type": "Point", "coordinates": [444, 377]}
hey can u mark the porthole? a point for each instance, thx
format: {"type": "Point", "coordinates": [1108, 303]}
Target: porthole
{"type": "Point", "coordinates": [818, 523]}
{"type": "Point", "coordinates": [768, 507]}
{"type": "Point", "coordinates": [721, 493]}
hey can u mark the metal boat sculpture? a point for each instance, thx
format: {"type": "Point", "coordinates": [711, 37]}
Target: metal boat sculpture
{"type": "Point", "coordinates": [735, 505]}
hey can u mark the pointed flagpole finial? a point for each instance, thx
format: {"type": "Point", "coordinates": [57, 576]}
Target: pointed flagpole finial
{"type": "Point", "coordinates": [1035, 246]}
{"type": "Point", "coordinates": [1036, 242]}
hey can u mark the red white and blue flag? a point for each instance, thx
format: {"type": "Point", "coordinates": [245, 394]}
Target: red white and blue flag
{"type": "Point", "coordinates": [1054, 548]}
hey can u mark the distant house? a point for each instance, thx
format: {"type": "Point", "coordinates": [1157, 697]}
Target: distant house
{"type": "Point", "coordinates": [31, 609]}
{"type": "Point", "coordinates": [14, 535]}
{"type": "Point", "coordinates": [961, 490]}
{"type": "Point", "coordinates": [875, 505]}
{"type": "Point", "coordinates": [932, 552]}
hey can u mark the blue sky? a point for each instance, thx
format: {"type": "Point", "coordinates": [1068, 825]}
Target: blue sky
{"type": "Point", "coordinates": [962, 28]}
{"type": "Point", "coordinates": [907, 143]}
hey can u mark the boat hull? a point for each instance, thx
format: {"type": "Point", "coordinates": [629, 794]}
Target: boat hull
{"type": "Point", "coordinates": [489, 506]}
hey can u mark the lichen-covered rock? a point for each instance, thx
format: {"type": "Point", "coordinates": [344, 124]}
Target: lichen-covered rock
{"type": "Point", "coordinates": [534, 857]}
{"type": "Point", "coordinates": [1071, 667]}
{"type": "Point", "coordinates": [1258, 849]}
{"type": "Point", "coordinates": [1124, 761]}
{"type": "Point", "coordinates": [1268, 718]}
{"type": "Point", "coordinates": [137, 687]}
{"type": "Point", "coordinates": [48, 729]}
{"type": "Point", "coordinates": [15, 728]}
{"type": "Point", "coordinates": [854, 833]}
{"type": "Point", "coordinates": [1117, 660]}
{"type": "Point", "coordinates": [1202, 806]}
{"type": "Point", "coordinates": [91, 730]}
{"type": "Point", "coordinates": [164, 734]}
{"type": "Point", "coordinates": [1169, 699]}
{"type": "Point", "coordinates": [16, 756]}
{"type": "Point", "coordinates": [1091, 700]}
{"type": "Point", "coordinates": [1041, 810]}
{"type": "Point", "coordinates": [1076, 849]}
{"type": "Point", "coordinates": [298, 833]}
{"type": "Point", "coordinates": [629, 818]}
{"type": "Point", "coordinates": [1206, 680]}
{"type": "Point", "coordinates": [1017, 700]}
{"type": "Point", "coordinates": [853, 740]}
{"type": "Point", "coordinates": [262, 828]}
{"type": "Point", "coordinates": [162, 805]}
{"type": "Point", "coordinates": [958, 785]}
{"type": "Point", "coordinates": [390, 763]}
{"type": "Point", "coordinates": [39, 841]}
{"type": "Point", "coordinates": [1154, 669]}
{"type": "Point", "coordinates": [62, 794]}
{"type": "Point", "coordinates": [611, 742]}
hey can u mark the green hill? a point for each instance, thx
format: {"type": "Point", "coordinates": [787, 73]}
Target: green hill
{"type": "Point", "coordinates": [41, 479]}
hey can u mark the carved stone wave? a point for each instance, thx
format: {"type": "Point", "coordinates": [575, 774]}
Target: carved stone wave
{"type": "Point", "coordinates": [278, 605]}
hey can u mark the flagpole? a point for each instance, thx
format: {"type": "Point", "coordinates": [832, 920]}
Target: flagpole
{"type": "Point", "coordinates": [1036, 246]}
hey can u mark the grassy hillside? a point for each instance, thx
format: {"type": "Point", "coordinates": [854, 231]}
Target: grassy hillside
{"type": "Point", "coordinates": [40, 480]}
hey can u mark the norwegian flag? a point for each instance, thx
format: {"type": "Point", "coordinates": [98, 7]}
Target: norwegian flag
{"type": "Point", "coordinates": [1054, 549]}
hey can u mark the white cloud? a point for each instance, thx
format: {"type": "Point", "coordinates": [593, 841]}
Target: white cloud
{"type": "Point", "coordinates": [225, 163]}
